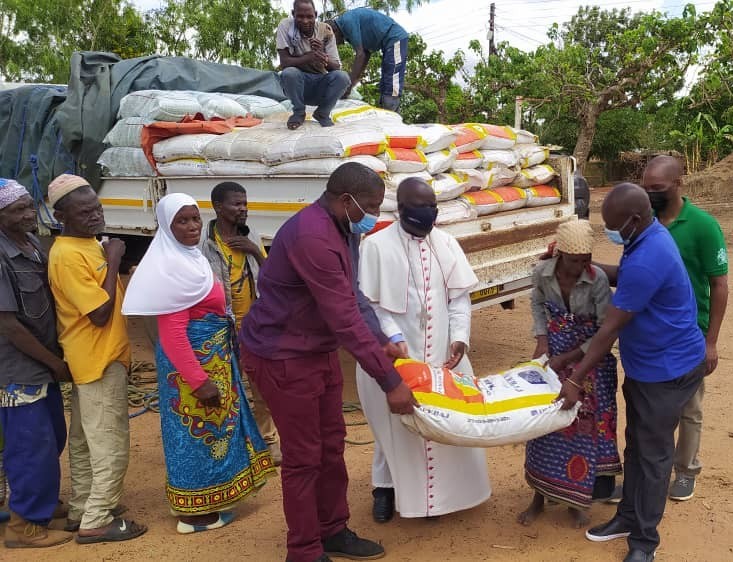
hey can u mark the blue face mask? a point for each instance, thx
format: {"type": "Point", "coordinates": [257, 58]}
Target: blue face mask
{"type": "Point", "coordinates": [421, 219]}
{"type": "Point", "coordinates": [616, 237]}
{"type": "Point", "coordinates": [365, 225]}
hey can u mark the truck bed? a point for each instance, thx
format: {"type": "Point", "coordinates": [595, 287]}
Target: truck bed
{"type": "Point", "coordinates": [502, 247]}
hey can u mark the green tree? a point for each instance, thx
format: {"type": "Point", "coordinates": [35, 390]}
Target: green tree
{"type": "Point", "coordinates": [37, 38]}
{"type": "Point", "coordinates": [606, 60]}
{"type": "Point", "coordinates": [228, 31]}
{"type": "Point", "coordinates": [332, 7]}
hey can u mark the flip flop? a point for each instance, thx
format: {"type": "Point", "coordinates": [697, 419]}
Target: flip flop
{"type": "Point", "coordinates": [121, 530]}
{"type": "Point", "coordinates": [225, 517]}
{"type": "Point", "coordinates": [72, 525]}
{"type": "Point", "coordinates": [295, 121]}
{"type": "Point", "coordinates": [323, 121]}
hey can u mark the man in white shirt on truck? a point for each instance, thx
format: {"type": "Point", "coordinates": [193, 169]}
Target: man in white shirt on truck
{"type": "Point", "coordinates": [311, 67]}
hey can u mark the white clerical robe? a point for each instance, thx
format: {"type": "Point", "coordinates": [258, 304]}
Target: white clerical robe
{"type": "Point", "coordinates": [419, 287]}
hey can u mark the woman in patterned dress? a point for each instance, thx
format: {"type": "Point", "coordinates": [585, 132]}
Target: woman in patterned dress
{"type": "Point", "coordinates": [577, 465]}
{"type": "Point", "coordinates": [214, 453]}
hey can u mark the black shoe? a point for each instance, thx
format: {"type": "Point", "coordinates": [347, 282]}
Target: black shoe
{"type": "Point", "coordinates": [346, 544]}
{"type": "Point", "coordinates": [383, 508]}
{"type": "Point", "coordinates": [614, 529]}
{"type": "Point", "coordinates": [636, 555]}
{"type": "Point", "coordinates": [321, 558]}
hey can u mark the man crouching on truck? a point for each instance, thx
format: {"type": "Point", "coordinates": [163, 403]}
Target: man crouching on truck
{"type": "Point", "coordinates": [311, 65]}
{"type": "Point", "coordinates": [309, 305]}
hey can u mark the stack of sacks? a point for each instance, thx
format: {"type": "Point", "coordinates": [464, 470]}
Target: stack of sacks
{"type": "Point", "coordinates": [183, 157]}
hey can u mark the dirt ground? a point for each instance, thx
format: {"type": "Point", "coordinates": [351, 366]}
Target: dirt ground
{"type": "Point", "coordinates": [698, 530]}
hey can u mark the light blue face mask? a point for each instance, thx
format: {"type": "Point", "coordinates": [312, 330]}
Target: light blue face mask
{"type": "Point", "coordinates": [365, 225]}
{"type": "Point", "coordinates": [616, 237]}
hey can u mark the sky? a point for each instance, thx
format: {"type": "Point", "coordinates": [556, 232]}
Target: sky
{"type": "Point", "coordinates": [449, 25]}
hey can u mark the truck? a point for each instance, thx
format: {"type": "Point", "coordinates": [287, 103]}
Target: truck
{"type": "Point", "coordinates": [47, 130]}
{"type": "Point", "coordinates": [502, 248]}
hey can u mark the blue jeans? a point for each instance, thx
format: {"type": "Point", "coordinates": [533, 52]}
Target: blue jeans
{"type": "Point", "coordinates": [322, 90]}
{"type": "Point", "coordinates": [35, 436]}
{"type": "Point", "coordinates": [394, 62]}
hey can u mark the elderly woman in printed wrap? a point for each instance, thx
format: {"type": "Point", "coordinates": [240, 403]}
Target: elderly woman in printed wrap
{"type": "Point", "coordinates": [577, 465]}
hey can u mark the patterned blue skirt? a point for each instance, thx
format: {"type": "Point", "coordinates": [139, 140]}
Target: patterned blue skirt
{"type": "Point", "coordinates": [564, 465]}
{"type": "Point", "coordinates": [214, 457]}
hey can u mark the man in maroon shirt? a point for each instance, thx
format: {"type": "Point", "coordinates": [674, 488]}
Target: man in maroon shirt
{"type": "Point", "coordinates": [310, 305]}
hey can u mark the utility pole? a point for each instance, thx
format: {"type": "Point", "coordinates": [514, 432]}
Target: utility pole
{"type": "Point", "coordinates": [492, 42]}
{"type": "Point", "coordinates": [518, 112]}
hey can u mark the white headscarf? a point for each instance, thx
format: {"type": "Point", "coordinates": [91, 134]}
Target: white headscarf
{"type": "Point", "coordinates": [171, 277]}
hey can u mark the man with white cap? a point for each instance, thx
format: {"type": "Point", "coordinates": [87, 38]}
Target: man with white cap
{"type": "Point", "coordinates": [31, 407]}
{"type": "Point", "coordinates": [84, 278]}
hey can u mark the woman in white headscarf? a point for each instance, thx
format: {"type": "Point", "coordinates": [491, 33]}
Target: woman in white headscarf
{"type": "Point", "coordinates": [215, 456]}
{"type": "Point", "coordinates": [577, 465]}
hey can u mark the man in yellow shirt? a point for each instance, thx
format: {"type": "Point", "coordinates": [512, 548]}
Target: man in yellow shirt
{"type": "Point", "coordinates": [235, 252]}
{"type": "Point", "coordinates": [84, 279]}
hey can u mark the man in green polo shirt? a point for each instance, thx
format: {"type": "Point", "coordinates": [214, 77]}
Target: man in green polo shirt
{"type": "Point", "coordinates": [702, 245]}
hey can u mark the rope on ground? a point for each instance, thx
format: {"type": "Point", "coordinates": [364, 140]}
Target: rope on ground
{"type": "Point", "coordinates": [142, 391]}
{"type": "Point", "coordinates": [352, 408]}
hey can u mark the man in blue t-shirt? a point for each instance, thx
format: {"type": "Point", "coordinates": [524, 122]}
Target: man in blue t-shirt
{"type": "Point", "coordinates": [654, 316]}
{"type": "Point", "coordinates": [369, 31]}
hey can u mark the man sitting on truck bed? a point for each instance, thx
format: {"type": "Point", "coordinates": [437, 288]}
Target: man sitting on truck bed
{"type": "Point", "coordinates": [311, 67]}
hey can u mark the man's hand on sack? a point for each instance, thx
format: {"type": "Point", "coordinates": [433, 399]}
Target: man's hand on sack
{"type": "Point", "coordinates": [457, 351]}
{"type": "Point", "coordinates": [558, 363]}
{"type": "Point", "coordinates": [401, 400]}
{"type": "Point", "coordinates": [396, 350]}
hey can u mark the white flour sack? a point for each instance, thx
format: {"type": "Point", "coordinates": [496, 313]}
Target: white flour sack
{"type": "Point", "coordinates": [182, 146]}
{"type": "Point", "coordinates": [313, 141]}
{"type": "Point", "coordinates": [159, 105]}
{"type": "Point", "coordinates": [125, 161]}
{"type": "Point", "coordinates": [503, 409]}
{"type": "Point", "coordinates": [257, 105]}
{"type": "Point", "coordinates": [245, 144]}
{"type": "Point", "coordinates": [127, 132]}
{"type": "Point", "coordinates": [436, 137]}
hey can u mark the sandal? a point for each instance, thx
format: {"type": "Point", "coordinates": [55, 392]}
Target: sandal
{"type": "Point", "coordinates": [120, 530]}
{"type": "Point", "coordinates": [295, 121]}
{"type": "Point", "coordinates": [72, 525]}
{"type": "Point", "coordinates": [323, 121]}
{"type": "Point", "coordinates": [225, 517]}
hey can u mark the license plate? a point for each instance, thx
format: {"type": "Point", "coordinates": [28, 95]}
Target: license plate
{"type": "Point", "coordinates": [485, 294]}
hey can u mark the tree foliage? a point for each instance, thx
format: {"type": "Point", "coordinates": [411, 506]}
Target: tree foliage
{"type": "Point", "coordinates": [37, 38]}
{"type": "Point", "coordinates": [615, 59]}
{"type": "Point", "coordinates": [231, 31]}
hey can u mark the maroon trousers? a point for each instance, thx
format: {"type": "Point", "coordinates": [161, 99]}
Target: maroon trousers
{"type": "Point", "coordinates": [305, 398]}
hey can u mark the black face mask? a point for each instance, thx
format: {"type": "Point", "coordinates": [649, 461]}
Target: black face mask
{"type": "Point", "coordinates": [420, 219]}
{"type": "Point", "coordinates": [659, 200]}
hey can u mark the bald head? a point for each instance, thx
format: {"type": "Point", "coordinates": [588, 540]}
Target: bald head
{"type": "Point", "coordinates": [627, 209]}
{"type": "Point", "coordinates": [417, 206]}
{"type": "Point", "coordinates": [415, 192]}
{"type": "Point", "coordinates": [667, 167]}
{"type": "Point", "coordinates": [662, 181]}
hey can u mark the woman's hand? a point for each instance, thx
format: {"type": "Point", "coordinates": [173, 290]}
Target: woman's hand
{"type": "Point", "coordinates": [208, 394]}
{"type": "Point", "coordinates": [569, 394]}
{"type": "Point", "coordinates": [542, 348]}
{"type": "Point", "coordinates": [558, 363]}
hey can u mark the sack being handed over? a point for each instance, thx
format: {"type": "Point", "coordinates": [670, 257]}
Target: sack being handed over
{"type": "Point", "coordinates": [510, 407]}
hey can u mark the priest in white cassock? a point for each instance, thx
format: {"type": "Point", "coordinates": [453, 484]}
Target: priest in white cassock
{"type": "Point", "coordinates": [418, 280]}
